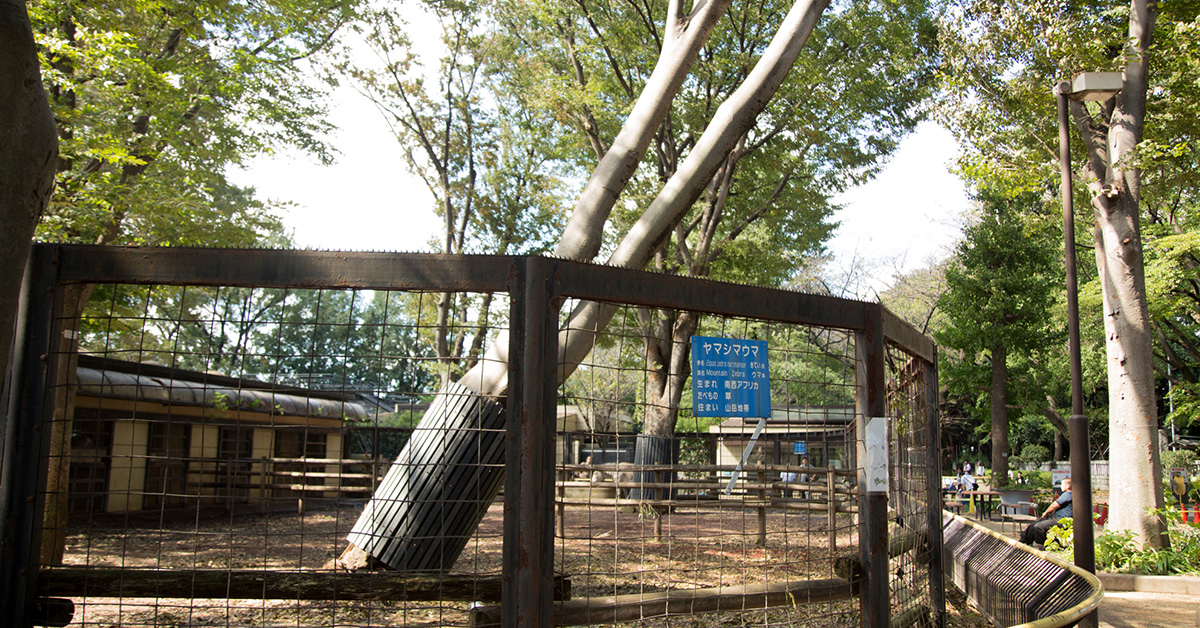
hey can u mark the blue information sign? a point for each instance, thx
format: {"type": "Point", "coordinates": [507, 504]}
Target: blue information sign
{"type": "Point", "coordinates": [800, 448]}
{"type": "Point", "coordinates": [730, 377]}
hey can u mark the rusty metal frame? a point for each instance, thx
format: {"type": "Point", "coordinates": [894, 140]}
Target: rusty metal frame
{"type": "Point", "coordinates": [537, 287]}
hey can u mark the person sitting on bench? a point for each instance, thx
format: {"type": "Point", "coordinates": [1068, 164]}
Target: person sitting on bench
{"type": "Point", "coordinates": [1058, 510]}
{"type": "Point", "coordinates": [966, 482]}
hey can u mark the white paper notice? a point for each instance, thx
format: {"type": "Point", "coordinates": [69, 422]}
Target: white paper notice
{"type": "Point", "coordinates": [877, 455]}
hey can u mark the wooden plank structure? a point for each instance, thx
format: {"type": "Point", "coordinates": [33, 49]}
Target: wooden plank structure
{"type": "Point", "coordinates": [437, 491]}
{"type": "Point", "coordinates": [635, 606]}
{"type": "Point", "coordinates": [653, 449]}
{"type": "Point", "coordinates": [272, 585]}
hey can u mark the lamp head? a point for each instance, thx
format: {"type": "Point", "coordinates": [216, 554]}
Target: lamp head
{"type": "Point", "coordinates": [1098, 86]}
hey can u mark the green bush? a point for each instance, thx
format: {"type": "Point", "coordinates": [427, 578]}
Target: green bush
{"type": "Point", "coordinates": [1034, 455]}
{"type": "Point", "coordinates": [1179, 459]}
{"type": "Point", "coordinates": [1038, 479]}
{"type": "Point", "coordinates": [1116, 551]}
{"type": "Point", "coordinates": [1062, 536]}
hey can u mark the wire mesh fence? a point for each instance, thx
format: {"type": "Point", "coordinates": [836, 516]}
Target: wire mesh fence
{"type": "Point", "coordinates": [748, 523]}
{"type": "Point", "coordinates": [217, 439]}
{"type": "Point", "coordinates": [224, 437]}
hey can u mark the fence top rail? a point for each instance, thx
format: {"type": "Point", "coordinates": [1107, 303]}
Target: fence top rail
{"type": "Point", "coordinates": [296, 269]}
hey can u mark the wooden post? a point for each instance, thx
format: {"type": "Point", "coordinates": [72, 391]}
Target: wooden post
{"type": "Point", "coordinates": [871, 401]}
{"type": "Point", "coordinates": [528, 557]}
{"type": "Point", "coordinates": [560, 520]}
{"type": "Point", "coordinates": [228, 485]}
{"type": "Point", "coordinates": [937, 590]}
{"type": "Point", "coordinates": [762, 509]}
{"type": "Point", "coordinates": [831, 500]}
{"type": "Point", "coordinates": [24, 469]}
{"type": "Point", "coordinates": [264, 499]}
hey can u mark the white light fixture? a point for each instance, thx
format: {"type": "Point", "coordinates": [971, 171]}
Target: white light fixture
{"type": "Point", "coordinates": [1098, 86]}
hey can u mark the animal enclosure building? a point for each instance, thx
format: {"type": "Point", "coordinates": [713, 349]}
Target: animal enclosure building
{"type": "Point", "coordinates": [149, 437]}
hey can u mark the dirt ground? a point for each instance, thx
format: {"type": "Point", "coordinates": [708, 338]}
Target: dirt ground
{"type": "Point", "coordinates": [604, 551]}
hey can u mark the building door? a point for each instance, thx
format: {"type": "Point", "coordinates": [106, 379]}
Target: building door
{"type": "Point", "coordinates": [167, 450]}
{"type": "Point", "coordinates": [235, 450]}
{"type": "Point", "coordinates": [91, 448]}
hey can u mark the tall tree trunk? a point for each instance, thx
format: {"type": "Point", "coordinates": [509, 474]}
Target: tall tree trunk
{"type": "Point", "coordinates": [999, 411]}
{"type": "Point", "coordinates": [668, 355]}
{"type": "Point", "coordinates": [28, 158]}
{"type": "Point", "coordinates": [54, 519]}
{"type": "Point", "coordinates": [1114, 181]}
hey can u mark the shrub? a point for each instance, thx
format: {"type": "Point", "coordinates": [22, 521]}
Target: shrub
{"type": "Point", "coordinates": [1179, 459]}
{"type": "Point", "coordinates": [1116, 551]}
{"type": "Point", "coordinates": [1062, 536]}
{"type": "Point", "coordinates": [1034, 455]}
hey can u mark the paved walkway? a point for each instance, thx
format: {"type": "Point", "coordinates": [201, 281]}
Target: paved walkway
{"type": "Point", "coordinates": [1140, 609]}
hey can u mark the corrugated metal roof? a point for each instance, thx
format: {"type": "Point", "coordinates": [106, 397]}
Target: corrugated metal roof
{"type": "Point", "coordinates": [794, 416]}
{"type": "Point", "coordinates": [99, 377]}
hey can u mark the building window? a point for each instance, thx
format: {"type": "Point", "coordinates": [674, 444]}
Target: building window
{"type": "Point", "coordinates": [235, 452]}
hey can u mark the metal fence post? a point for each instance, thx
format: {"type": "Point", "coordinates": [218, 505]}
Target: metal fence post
{"type": "Point", "coordinates": [871, 401]}
{"type": "Point", "coordinates": [528, 561]}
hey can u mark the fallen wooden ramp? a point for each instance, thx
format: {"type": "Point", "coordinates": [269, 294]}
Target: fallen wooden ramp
{"type": "Point", "coordinates": [635, 606]}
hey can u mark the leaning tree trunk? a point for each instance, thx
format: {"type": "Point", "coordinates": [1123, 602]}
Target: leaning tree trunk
{"type": "Point", "coordinates": [457, 451]}
{"type": "Point", "coordinates": [489, 378]}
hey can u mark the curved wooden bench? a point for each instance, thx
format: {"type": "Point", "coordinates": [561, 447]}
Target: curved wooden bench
{"type": "Point", "coordinates": [1014, 584]}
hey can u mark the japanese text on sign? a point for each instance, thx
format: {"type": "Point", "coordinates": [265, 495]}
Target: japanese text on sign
{"type": "Point", "coordinates": [730, 377]}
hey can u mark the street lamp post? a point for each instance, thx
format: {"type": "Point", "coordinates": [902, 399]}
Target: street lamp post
{"type": "Point", "coordinates": [1098, 86]}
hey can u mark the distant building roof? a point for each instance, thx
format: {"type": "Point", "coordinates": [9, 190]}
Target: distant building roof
{"type": "Point", "coordinates": [118, 379]}
{"type": "Point", "coordinates": [792, 419]}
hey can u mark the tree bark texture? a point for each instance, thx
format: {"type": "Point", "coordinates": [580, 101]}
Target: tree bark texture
{"type": "Point", "coordinates": [1114, 182]}
{"type": "Point", "coordinates": [685, 34]}
{"type": "Point", "coordinates": [28, 158]}
{"type": "Point", "coordinates": [732, 120]}
{"type": "Point", "coordinates": [54, 533]}
{"type": "Point", "coordinates": [436, 493]}
{"type": "Point", "coordinates": [999, 412]}
{"type": "Point", "coordinates": [667, 362]}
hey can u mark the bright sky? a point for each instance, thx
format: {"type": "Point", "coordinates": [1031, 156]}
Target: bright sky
{"type": "Point", "coordinates": [911, 214]}
{"type": "Point", "coordinates": [367, 201]}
